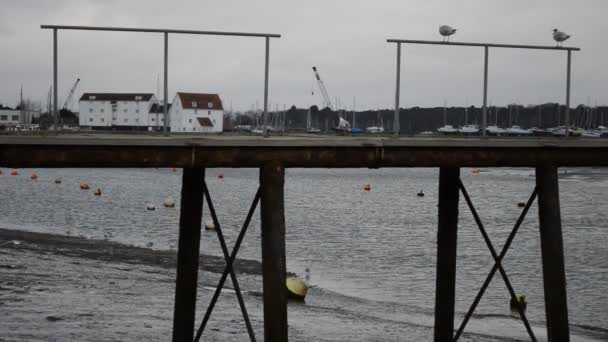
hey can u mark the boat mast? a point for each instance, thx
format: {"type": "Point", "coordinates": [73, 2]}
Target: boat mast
{"type": "Point", "coordinates": [444, 114]}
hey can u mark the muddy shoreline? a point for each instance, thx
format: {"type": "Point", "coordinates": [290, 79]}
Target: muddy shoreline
{"type": "Point", "coordinates": [104, 250]}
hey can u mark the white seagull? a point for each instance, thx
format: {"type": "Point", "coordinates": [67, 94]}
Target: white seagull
{"type": "Point", "coordinates": [446, 31]}
{"type": "Point", "coordinates": [559, 36]}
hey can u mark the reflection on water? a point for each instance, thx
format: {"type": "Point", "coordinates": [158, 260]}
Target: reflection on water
{"type": "Point", "coordinates": [378, 246]}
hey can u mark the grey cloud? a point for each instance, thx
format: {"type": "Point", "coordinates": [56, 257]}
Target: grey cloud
{"type": "Point", "coordinates": [345, 39]}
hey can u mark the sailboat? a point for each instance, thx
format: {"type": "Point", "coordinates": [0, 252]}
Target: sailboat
{"type": "Point", "coordinates": [495, 129]}
{"type": "Point", "coordinates": [376, 129]}
{"type": "Point", "coordinates": [446, 129]}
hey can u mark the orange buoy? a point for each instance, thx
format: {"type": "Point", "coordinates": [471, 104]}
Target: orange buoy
{"type": "Point", "coordinates": [367, 187]}
{"type": "Point", "coordinates": [475, 171]}
{"type": "Point", "coordinates": [34, 176]}
{"type": "Point", "coordinates": [97, 192]}
{"type": "Point", "coordinates": [220, 176]}
{"type": "Point", "coordinates": [84, 186]}
{"type": "Point", "coordinates": [14, 173]}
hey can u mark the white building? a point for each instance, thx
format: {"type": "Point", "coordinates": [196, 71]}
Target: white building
{"type": "Point", "coordinates": [10, 117]}
{"type": "Point", "coordinates": [194, 112]}
{"type": "Point", "coordinates": [119, 111]}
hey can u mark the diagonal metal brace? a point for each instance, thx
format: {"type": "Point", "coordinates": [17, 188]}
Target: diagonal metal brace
{"type": "Point", "coordinates": [497, 261]}
{"type": "Point", "coordinates": [229, 262]}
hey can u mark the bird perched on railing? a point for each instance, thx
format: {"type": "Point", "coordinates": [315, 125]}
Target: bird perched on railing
{"type": "Point", "coordinates": [559, 36]}
{"type": "Point", "coordinates": [446, 31]}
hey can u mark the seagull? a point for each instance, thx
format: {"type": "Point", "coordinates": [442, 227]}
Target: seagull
{"type": "Point", "coordinates": [559, 36]}
{"type": "Point", "coordinates": [446, 31]}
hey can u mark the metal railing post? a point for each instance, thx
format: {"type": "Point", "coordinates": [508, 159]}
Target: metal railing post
{"type": "Point", "coordinates": [396, 126]}
{"type": "Point", "coordinates": [166, 86]}
{"type": "Point", "coordinates": [484, 112]}
{"type": "Point", "coordinates": [55, 110]}
{"type": "Point", "coordinates": [265, 119]}
{"type": "Point", "coordinates": [567, 118]}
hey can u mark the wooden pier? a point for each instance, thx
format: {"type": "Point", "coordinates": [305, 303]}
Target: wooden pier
{"type": "Point", "coordinates": [273, 155]}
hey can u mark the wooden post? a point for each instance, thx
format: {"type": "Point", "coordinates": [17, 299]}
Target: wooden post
{"type": "Point", "coordinates": [272, 178]}
{"type": "Point", "coordinates": [552, 248]}
{"type": "Point", "coordinates": [446, 253]}
{"type": "Point", "coordinates": [190, 216]}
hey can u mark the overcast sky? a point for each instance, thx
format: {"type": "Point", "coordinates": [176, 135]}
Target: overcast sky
{"type": "Point", "coordinates": [345, 39]}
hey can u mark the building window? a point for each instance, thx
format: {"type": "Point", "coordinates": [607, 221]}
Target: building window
{"type": "Point", "coordinates": [15, 117]}
{"type": "Point", "coordinates": [193, 129]}
{"type": "Point", "coordinates": [101, 110]}
{"type": "Point", "coordinates": [194, 104]}
{"type": "Point", "coordinates": [184, 129]}
{"type": "Point", "coordinates": [90, 119]}
{"type": "Point", "coordinates": [124, 110]}
{"type": "Point", "coordinates": [4, 117]}
{"type": "Point", "coordinates": [114, 119]}
{"type": "Point", "coordinates": [210, 104]}
{"type": "Point", "coordinates": [102, 120]}
{"type": "Point", "coordinates": [137, 111]}
{"type": "Point", "coordinates": [190, 121]}
{"type": "Point", "coordinates": [152, 119]}
{"type": "Point", "coordinates": [136, 119]}
{"type": "Point", "coordinates": [90, 110]}
{"type": "Point", "coordinates": [209, 112]}
{"type": "Point", "coordinates": [126, 120]}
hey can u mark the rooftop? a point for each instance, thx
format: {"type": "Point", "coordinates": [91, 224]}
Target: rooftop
{"type": "Point", "coordinates": [116, 97]}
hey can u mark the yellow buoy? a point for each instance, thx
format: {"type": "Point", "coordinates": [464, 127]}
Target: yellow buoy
{"type": "Point", "coordinates": [296, 288]}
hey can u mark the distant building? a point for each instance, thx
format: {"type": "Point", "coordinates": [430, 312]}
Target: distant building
{"type": "Point", "coordinates": [10, 117]}
{"type": "Point", "coordinates": [156, 115]}
{"type": "Point", "coordinates": [195, 112]}
{"type": "Point", "coordinates": [119, 111]}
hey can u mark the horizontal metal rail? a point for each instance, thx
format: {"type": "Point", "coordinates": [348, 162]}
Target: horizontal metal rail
{"type": "Point", "coordinates": [158, 30]}
{"type": "Point", "coordinates": [509, 46]}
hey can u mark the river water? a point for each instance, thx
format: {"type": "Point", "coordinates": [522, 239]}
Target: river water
{"type": "Point", "coordinates": [371, 253]}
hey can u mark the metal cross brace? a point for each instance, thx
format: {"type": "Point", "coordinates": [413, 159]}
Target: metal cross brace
{"type": "Point", "coordinates": [229, 262]}
{"type": "Point", "coordinates": [497, 261]}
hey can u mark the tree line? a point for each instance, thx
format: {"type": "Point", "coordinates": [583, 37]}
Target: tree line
{"type": "Point", "coordinates": [418, 119]}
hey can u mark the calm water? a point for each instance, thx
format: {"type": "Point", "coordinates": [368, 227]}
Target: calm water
{"type": "Point", "coordinates": [369, 252]}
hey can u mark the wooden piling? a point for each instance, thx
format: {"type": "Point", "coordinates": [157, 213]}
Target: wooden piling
{"type": "Point", "coordinates": [552, 250]}
{"type": "Point", "coordinates": [272, 178]}
{"type": "Point", "coordinates": [190, 217]}
{"type": "Point", "coordinates": [446, 253]}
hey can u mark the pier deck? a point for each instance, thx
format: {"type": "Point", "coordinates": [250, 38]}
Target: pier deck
{"type": "Point", "coordinates": [113, 150]}
{"type": "Point", "coordinates": [273, 155]}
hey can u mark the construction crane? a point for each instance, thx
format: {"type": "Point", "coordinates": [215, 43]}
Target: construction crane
{"type": "Point", "coordinates": [326, 100]}
{"type": "Point", "coordinates": [69, 98]}
{"type": "Point", "coordinates": [343, 125]}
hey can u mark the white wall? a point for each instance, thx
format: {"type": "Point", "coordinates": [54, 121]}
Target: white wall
{"type": "Point", "coordinates": [185, 120]}
{"type": "Point", "coordinates": [120, 113]}
{"type": "Point", "coordinates": [9, 117]}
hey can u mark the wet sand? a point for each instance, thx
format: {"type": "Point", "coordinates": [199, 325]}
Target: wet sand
{"type": "Point", "coordinates": [109, 251]}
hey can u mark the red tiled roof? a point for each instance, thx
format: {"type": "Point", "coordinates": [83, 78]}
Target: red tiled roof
{"type": "Point", "coordinates": [205, 122]}
{"type": "Point", "coordinates": [115, 96]}
{"type": "Point", "coordinates": [202, 101]}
